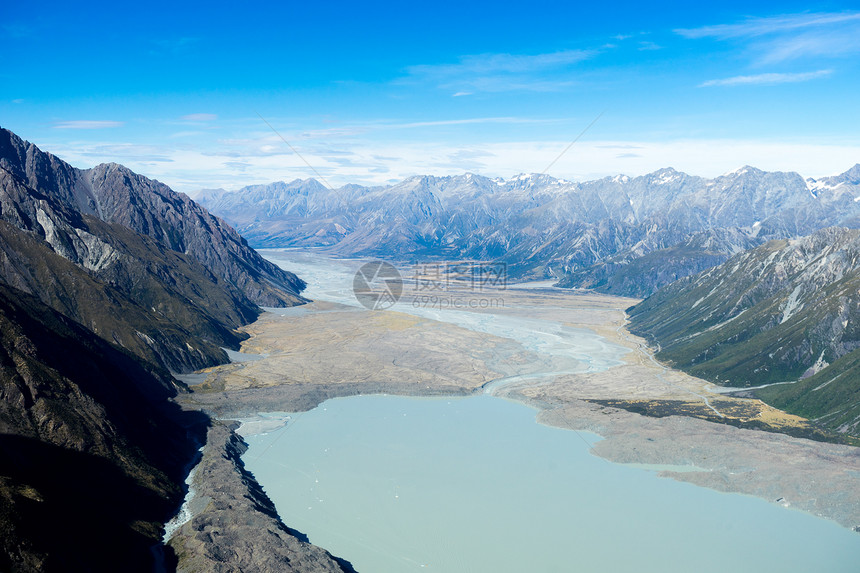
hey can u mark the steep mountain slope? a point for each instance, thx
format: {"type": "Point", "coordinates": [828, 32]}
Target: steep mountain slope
{"type": "Point", "coordinates": [545, 227]}
{"type": "Point", "coordinates": [782, 312]}
{"type": "Point", "coordinates": [91, 454]}
{"type": "Point", "coordinates": [174, 307]}
{"type": "Point", "coordinates": [628, 274]}
{"type": "Point", "coordinates": [114, 194]}
{"type": "Point", "coordinates": [178, 334]}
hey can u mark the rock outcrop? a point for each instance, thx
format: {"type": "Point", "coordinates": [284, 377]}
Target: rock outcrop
{"type": "Point", "coordinates": [115, 194]}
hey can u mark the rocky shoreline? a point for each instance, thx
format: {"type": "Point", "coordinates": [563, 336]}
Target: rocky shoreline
{"type": "Point", "coordinates": [234, 525]}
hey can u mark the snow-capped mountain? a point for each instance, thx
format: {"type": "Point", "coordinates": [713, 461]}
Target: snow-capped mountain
{"type": "Point", "coordinates": [582, 232]}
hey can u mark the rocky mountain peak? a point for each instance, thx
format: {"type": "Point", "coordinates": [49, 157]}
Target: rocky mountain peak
{"type": "Point", "coordinates": [851, 176]}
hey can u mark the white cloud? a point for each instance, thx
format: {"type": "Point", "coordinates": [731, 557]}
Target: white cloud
{"type": "Point", "coordinates": [783, 38]}
{"type": "Point", "coordinates": [767, 79]}
{"type": "Point", "coordinates": [200, 117]}
{"type": "Point", "coordinates": [88, 124]}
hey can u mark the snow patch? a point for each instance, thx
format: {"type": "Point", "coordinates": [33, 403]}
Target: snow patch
{"type": "Point", "coordinates": [667, 177]}
{"type": "Point", "coordinates": [792, 305]}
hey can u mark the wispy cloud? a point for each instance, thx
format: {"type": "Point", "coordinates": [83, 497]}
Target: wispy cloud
{"type": "Point", "coordinates": [783, 38]}
{"type": "Point", "coordinates": [200, 117]}
{"type": "Point", "coordinates": [502, 72]}
{"type": "Point", "coordinates": [773, 25]}
{"type": "Point", "coordinates": [88, 124]}
{"type": "Point", "coordinates": [464, 121]}
{"type": "Point", "coordinates": [767, 79]}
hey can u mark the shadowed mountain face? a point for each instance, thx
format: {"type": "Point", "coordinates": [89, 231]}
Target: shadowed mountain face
{"type": "Point", "coordinates": [587, 234]}
{"type": "Point", "coordinates": [91, 453]}
{"type": "Point", "coordinates": [135, 262]}
{"type": "Point", "coordinates": [782, 312]}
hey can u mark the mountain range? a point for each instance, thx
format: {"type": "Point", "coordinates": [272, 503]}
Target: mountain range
{"type": "Point", "coordinates": [591, 234]}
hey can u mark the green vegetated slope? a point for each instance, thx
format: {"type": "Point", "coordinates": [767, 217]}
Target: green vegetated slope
{"type": "Point", "coordinates": [832, 396]}
{"type": "Point", "coordinates": [783, 312]}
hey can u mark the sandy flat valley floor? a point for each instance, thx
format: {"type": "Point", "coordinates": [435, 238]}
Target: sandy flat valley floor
{"type": "Point", "coordinates": [566, 353]}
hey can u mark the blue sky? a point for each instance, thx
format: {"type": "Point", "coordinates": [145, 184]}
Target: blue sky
{"type": "Point", "coordinates": [373, 93]}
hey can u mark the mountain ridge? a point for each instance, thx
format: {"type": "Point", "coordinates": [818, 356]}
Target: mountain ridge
{"type": "Point", "coordinates": [108, 283]}
{"type": "Point", "coordinates": [115, 194]}
{"type": "Point", "coordinates": [173, 281]}
{"type": "Point", "coordinates": [583, 233]}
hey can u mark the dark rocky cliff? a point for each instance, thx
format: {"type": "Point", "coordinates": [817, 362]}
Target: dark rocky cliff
{"type": "Point", "coordinates": [91, 452]}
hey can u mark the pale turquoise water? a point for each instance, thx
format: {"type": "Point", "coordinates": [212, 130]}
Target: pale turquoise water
{"type": "Point", "coordinates": [401, 484]}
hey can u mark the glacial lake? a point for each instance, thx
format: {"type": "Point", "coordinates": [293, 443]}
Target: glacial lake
{"type": "Point", "coordinates": [477, 485]}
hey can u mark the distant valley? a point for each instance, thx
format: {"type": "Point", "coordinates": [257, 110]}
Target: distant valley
{"type": "Point", "coordinates": [775, 302]}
